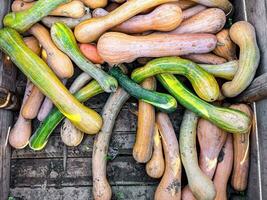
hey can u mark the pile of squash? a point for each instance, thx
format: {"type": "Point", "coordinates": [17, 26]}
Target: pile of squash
{"type": "Point", "coordinates": [45, 39]}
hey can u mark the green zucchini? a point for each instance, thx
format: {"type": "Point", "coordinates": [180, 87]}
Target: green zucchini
{"type": "Point", "coordinates": [40, 137]}
{"type": "Point", "coordinates": [64, 39]}
{"type": "Point", "coordinates": [37, 71]}
{"type": "Point", "coordinates": [230, 120]}
{"type": "Point", "coordinates": [203, 83]}
{"type": "Point", "coordinates": [226, 70]}
{"type": "Point", "coordinates": [162, 101]}
{"type": "Point", "coordinates": [22, 21]}
{"type": "Point", "coordinates": [199, 183]}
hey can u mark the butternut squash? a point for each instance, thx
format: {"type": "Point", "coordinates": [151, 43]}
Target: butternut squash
{"type": "Point", "coordinates": [95, 3]}
{"type": "Point", "coordinates": [205, 58]}
{"type": "Point", "coordinates": [99, 12]}
{"type": "Point", "coordinates": [73, 9]}
{"type": "Point", "coordinates": [211, 20]}
{"type": "Point", "coordinates": [243, 34]}
{"type": "Point", "coordinates": [199, 183]}
{"type": "Point", "coordinates": [155, 166]}
{"type": "Point", "coordinates": [142, 149]}
{"type": "Point", "coordinates": [185, 4]}
{"type": "Point", "coordinates": [84, 34]}
{"type": "Point", "coordinates": [223, 4]}
{"type": "Point", "coordinates": [190, 12]}
{"type": "Point", "coordinates": [21, 131]}
{"type": "Point", "coordinates": [118, 47]}
{"type": "Point", "coordinates": [187, 194]}
{"type": "Point", "coordinates": [225, 47]}
{"type": "Point", "coordinates": [33, 44]}
{"type": "Point", "coordinates": [170, 184]}
{"type": "Point", "coordinates": [224, 170]}
{"type": "Point", "coordinates": [90, 52]}
{"type": "Point", "coordinates": [241, 153]}
{"type": "Point", "coordinates": [57, 60]}
{"type": "Point", "coordinates": [211, 140]}
{"type": "Point", "coordinates": [70, 135]}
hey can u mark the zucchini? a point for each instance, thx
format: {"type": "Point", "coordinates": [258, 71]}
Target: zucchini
{"type": "Point", "coordinates": [230, 120]}
{"type": "Point", "coordinates": [162, 101]}
{"type": "Point", "coordinates": [203, 83]}
{"type": "Point", "coordinates": [37, 71]}
{"type": "Point", "coordinates": [65, 40]}
{"type": "Point", "coordinates": [40, 137]}
{"type": "Point", "coordinates": [22, 21]}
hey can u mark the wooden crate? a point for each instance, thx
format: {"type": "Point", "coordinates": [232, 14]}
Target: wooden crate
{"type": "Point", "coordinates": [41, 175]}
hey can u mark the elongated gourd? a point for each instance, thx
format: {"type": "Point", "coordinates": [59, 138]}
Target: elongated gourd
{"type": "Point", "coordinates": [33, 44]}
{"type": "Point", "coordinates": [101, 187]}
{"type": "Point", "coordinates": [211, 140]}
{"type": "Point", "coordinates": [22, 21]}
{"type": "Point", "coordinates": [187, 194]}
{"type": "Point", "coordinates": [170, 184]}
{"type": "Point", "coordinates": [156, 165]}
{"type": "Point", "coordinates": [84, 34]}
{"type": "Point", "coordinates": [225, 48]}
{"type": "Point", "coordinates": [241, 153]}
{"type": "Point", "coordinates": [243, 34]}
{"type": "Point", "coordinates": [210, 20]}
{"type": "Point", "coordinates": [205, 58]}
{"type": "Point", "coordinates": [223, 4]}
{"type": "Point", "coordinates": [65, 40]}
{"type": "Point", "coordinates": [224, 170]}
{"type": "Point", "coordinates": [160, 100]}
{"type": "Point", "coordinates": [74, 9]}
{"type": "Point", "coordinates": [204, 84]}
{"type": "Point", "coordinates": [185, 4]}
{"type": "Point", "coordinates": [57, 60]}
{"type": "Point", "coordinates": [142, 149]}
{"type": "Point", "coordinates": [199, 183]}
{"type": "Point", "coordinates": [95, 3]}
{"type": "Point", "coordinates": [41, 75]}
{"type": "Point", "coordinates": [90, 52]}
{"type": "Point", "coordinates": [226, 70]}
{"type": "Point", "coordinates": [230, 120]}
{"type": "Point", "coordinates": [190, 12]}
{"type": "Point", "coordinates": [40, 137]}
{"type": "Point", "coordinates": [117, 48]}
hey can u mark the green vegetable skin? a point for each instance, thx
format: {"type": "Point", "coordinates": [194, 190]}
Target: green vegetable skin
{"type": "Point", "coordinates": [203, 83]}
{"type": "Point", "coordinates": [162, 101]}
{"type": "Point", "coordinates": [86, 119]}
{"type": "Point", "coordinates": [64, 39]}
{"type": "Point", "coordinates": [230, 120]}
{"type": "Point", "coordinates": [22, 21]}
{"type": "Point", "coordinates": [41, 135]}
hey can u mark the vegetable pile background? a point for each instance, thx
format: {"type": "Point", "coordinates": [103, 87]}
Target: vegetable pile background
{"type": "Point", "coordinates": [161, 53]}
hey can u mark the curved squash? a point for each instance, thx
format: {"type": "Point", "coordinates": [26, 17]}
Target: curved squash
{"type": "Point", "coordinates": [204, 84]}
{"type": "Point", "coordinates": [205, 58]}
{"type": "Point", "coordinates": [230, 120]}
{"type": "Point", "coordinates": [190, 12]}
{"type": "Point", "coordinates": [33, 44]}
{"type": "Point", "coordinates": [65, 40]}
{"type": "Point", "coordinates": [95, 3]}
{"type": "Point", "coordinates": [223, 4]}
{"type": "Point", "coordinates": [243, 34]}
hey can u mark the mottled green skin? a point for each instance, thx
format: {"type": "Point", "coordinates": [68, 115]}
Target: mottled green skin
{"type": "Point", "coordinates": [22, 21]}
{"type": "Point", "coordinates": [40, 137]}
{"type": "Point", "coordinates": [64, 39]}
{"type": "Point", "coordinates": [44, 78]}
{"type": "Point", "coordinates": [204, 84]}
{"type": "Point", "coordinates": [230, 120]}
{"type": "Point", "coordinates": [162, 101]}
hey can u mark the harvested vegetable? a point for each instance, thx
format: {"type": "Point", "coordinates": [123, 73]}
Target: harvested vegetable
{"type": "Point", "coordinates": [199, 183]}
{"type": "Point", "coordinates": [65, 40]}
{"type": "Point", "coordinates": [170, 184]}
{"type": "Point", "coordinates": [95, 3]}
{"type": "Point", "coordinates": [190, 12]}
{"type": "Point", "coordinates": [204, 84]}
{"type": "Point", "coordinates": [160, 100]}
{"type": "Point", "coordinates": [90, 52]}
{"type": "Point", "coordinates": [223, 4]}
{"type": "Point", "coordinates": [101, 187]}
{"type": "Point", "coordinates": [185, 4]}
{"type": "Point", "coordinates": [143, 146]}
{"type": "Point", "coordinates": [205, 58]}
{"type": "Point", "coordinates": [117, 48]}
{"type": "Point", "coordinates": [33, 44]}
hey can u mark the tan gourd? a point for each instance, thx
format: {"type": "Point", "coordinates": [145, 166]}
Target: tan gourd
{"type": "Point", "coordinates": [211, 140]}
{"type": "Point", "coordinates": [224, 170]}
{"type": "Point", "coordinates": [211, 20]}
{"type": "Point", "coordinates": [243, 34]}
{"type": "Point", "coordinates": [185, 4]}
{"type": "Point", "coordinates": [70, 135]}
{"type": "Point", "coordinates": [74, 9]}
{"type": "Point", "coordinates": [111, 6]}
{"type": "Point", "coordinates": [84, 34]}
{"type": "Point", "coordinates": [116, 47]}
{"type": "Point", "coordinates": [205, 58]}
{"type": "Point", "coordinates": [223, 4]}
{"type": "Point", "coordinates": [156, 166]}
{"type": "Point", "coordinates": [225, 47]}
{"type": "Point", "coordinates": [33, 44]}
{"type": "Point", "coordinates": [170, 184]}
{"type": "Point", "coordinates": [95, 3]}
{"type": "Point", "coordinates": [190, 12]}
{"type": "Point", "coordinates": [58, 61]}
{"type": "Point", "coordinates": [187, 194]}
{"type": "Point", "coordinates": [142, 150]}
{"type": "Point", "coordinates": [241, 153]}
